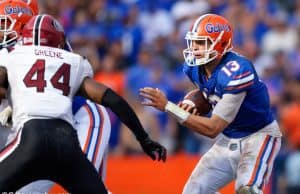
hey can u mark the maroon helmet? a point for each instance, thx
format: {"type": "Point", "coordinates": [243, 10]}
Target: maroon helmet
{"type": "Point", "coordinates": [43, 30]}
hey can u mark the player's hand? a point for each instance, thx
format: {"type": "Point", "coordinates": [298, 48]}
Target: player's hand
{"type": "Point", "coordinates": [154, 97]}
{"type": "Point", "coordinates": [4, 115]}
{"type": "Point", "coordinates": [154, 149]}
{"type": "Point", "coordinates": [188, 107]}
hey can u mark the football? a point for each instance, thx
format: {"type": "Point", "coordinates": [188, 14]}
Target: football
{"type": "Point", "coordinates": [202, 105]}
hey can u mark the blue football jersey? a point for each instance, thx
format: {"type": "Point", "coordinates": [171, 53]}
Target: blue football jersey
{"type": "Point", "coordinates": [78, 102]}
{"type": "Point", "coordinates": [233, 75]}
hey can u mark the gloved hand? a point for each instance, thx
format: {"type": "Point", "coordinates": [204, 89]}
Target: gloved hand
{"type": "Point", "coordinates": [4, 115]}
{"type": "Point", "coordinates": [154, 149]}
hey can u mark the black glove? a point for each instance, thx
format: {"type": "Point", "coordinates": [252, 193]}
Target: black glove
{"type": "Point", "coordinates": [154, 149]}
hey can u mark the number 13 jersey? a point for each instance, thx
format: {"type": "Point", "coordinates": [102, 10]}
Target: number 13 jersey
{"type": "Point", "coordinates": [43, 81]}
{"type": "Point", "coordinates": [233, 75]}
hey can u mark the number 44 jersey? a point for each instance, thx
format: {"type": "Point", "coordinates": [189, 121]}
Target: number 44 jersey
{"type": "Point", "coordinates": [43, 81]}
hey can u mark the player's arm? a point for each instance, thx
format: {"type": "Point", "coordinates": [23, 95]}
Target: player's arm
{"type": "Point", "coordinates": [101, 94]}
{"type": "Point", "coordinates": [223, 114]}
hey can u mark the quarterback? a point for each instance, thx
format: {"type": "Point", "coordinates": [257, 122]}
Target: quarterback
{"type": "Point", "coordinates": [249, 137]}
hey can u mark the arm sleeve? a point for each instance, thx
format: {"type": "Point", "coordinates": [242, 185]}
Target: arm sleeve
{"type": "Point", "coordinates": [228, 107]}
{"type": "Point", "coordinates": [126, 114]}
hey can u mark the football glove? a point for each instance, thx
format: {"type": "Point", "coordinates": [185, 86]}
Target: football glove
{"type": "Point", "coordinates": [154, 149]}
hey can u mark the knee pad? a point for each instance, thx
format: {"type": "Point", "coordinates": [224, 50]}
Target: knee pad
{"type": "Point", "coordinates": [249, 190]}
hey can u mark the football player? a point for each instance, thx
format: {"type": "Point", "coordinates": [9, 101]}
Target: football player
{"type": "Point", "coordinates": [249, 136]}
{"type": "Point", "coordinates": [91, 119]}
{"type": "Point", "coordinates": [46, 146]}
{"type": "Point", "coordinates": [15, 14]}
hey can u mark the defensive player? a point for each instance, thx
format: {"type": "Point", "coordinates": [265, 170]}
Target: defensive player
{"type": "Point", "coordinates": [46, 146]}
{"type": "Point", "coordinates": [249, 136]}
{"type": "Point", "coordinates": [91, 120]}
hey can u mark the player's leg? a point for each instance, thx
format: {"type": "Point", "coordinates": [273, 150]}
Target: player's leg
{"type": "Point", "coordinates": [93, 128]}
{"type": "Point", "coordinates": [74, 177]}
{"type": "Point", "coordinates": [258, 153]}
{"type": "Point", "coordinates": [48, 149]}
{"type": "Point", "coordinates": [5, 134]}
{"type": "Point", "coordinates": [68, 165]}
{"type": "Point", "coordinates": [213, 171]}
{"type": "Point", "coordinates": [18, 164]}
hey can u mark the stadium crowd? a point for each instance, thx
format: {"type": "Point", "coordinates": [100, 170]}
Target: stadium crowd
{"type": "Point", "coordinates": [137, 43]}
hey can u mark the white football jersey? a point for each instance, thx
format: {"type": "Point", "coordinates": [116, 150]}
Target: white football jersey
{"type": "Point", "coordinates": [43, 81]}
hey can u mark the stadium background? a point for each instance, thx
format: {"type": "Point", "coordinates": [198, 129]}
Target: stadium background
{"type": "Point", "coordinates": [136, 43]}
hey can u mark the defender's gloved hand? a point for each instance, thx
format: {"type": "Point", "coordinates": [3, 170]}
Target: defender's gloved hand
{"type": "Point", "coordinates": [154, 149]}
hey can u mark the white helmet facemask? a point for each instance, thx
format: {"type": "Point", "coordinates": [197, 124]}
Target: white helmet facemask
{"type": "Point", "coordinates": [7, 31]}
{"type": "Point", "coordinates": [204, 56]}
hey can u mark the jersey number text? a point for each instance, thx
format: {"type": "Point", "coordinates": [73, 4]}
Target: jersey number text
{"type": "Point", "coordinates": [60, 80]}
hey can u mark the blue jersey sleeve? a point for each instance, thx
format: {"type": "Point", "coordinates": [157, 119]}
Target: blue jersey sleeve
{"type": "Point", "coordinates": [237, 76]}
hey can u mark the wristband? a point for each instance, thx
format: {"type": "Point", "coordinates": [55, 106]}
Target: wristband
{"type": "Point", "coordinates": [177, 112]}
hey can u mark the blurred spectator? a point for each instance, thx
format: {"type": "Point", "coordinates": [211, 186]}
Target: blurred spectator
{"type": "Point", "coordinates": [155, 22]}
{"type": "Point", "coordinates": [280, 37]}
{"type": "Point", "coordinates": [132, 35]}
{"type": "Point", "coordinates": [116, 51]}
{"type": "Point", "coordinates": [294, 19]}
{"type": "Point", "coordinates": [290, 119]}
{"type": "Point", "coordinates": [290, 114]}
{"type": "Point", "coordinates": [110, 75]}
{"type": "Point", "coordinates": [274, 76]}
{"type": "Point", "coordinates": [186, 8]}
{"type": "Point", "coordinates": [139, 73]}
{"type": "Point", "coordinates": [86, 30]}
{"type": "Point", "coordinates": [294, 59]}
{"type": "Point", "coordinates": [292, 173]}
{"type": "Point", "coordinates": [90, 52]}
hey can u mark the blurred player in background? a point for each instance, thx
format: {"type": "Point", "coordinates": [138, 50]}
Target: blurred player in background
{"type": "Point", "coordinates": [249, 138]}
